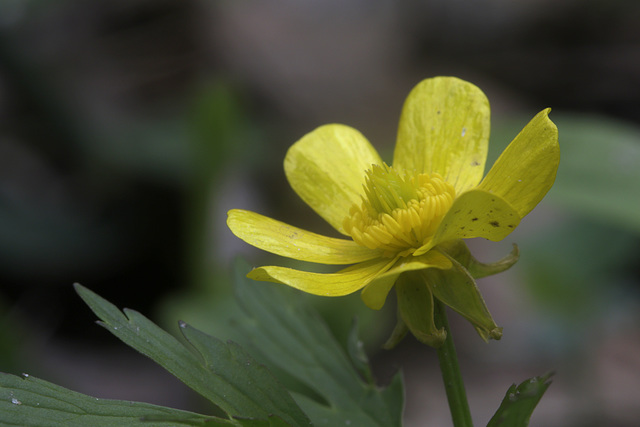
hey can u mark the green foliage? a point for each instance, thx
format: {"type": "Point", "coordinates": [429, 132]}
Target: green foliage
{"type": "Point", "coordinates": [520, 401]}
{"type": "Point", "coordinates": [222, 373]}
{"type": "Point", "coordinates": [285, 333]}
{"type": "Point", "coordinates": [288, 336]}
{"type": "Point", "coordinates": [333, 386]}
{"type": "Point", "coordinates": [29, 401]}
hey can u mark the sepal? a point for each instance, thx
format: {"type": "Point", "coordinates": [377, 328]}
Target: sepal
{"type": "Point", "coordinates": [399, 332]}
{"type": "Point", "coordinates": [457, 289]}
{"type": "Point", "coordinates": [415, 305]}
{"type": "Point", "coordinates": [458, 250]}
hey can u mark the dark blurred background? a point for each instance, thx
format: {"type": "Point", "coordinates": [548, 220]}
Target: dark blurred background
{"type": "Point", "coordinates": [129, 127]}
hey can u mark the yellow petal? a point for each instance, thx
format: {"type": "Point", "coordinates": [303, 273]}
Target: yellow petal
{"type": "Point", "coordinates": [285, 240]}
{"type": "Point", "coordinates": [327, 170]}
{"type": "Point", "coordinates": [476, 213]}
{"type": "Point", "coordinates": [526, 170]}
{"type": "Point", "coordinates": [444, 128]}
{"type": "Point", "coordinates": [337, 284]}
{"type": "Point", "coordinates": [375, 293]}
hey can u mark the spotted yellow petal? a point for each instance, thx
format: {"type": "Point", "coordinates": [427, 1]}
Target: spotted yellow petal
{"type": "Point", "coordinates": [526, 170]}
{"type": "Point", "coordinates": [343, 282]}
{"type": "Point", "coordinates": [375, 293]}
{"type": "Point", "coordinates": [456, 288]}
{"type": "Point", "coordinates": [476, 213]}
{"type": "Point", "coordinates": [289, 241]}
{"type": "Point", "coordinates": [444, 128]}
{"type": "Point", "coordinates": [327, 170]}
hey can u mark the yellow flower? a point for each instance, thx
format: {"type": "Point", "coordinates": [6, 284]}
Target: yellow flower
{"type": "Point", "coordinates": [404, 223]}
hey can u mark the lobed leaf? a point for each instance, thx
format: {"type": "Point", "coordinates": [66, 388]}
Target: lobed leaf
{"type": "Point", "coordinates": [221, 372]}
{"type": "Point", "coordinates": [29, 401]}
{"type": "Point", "coordinates": [290, 337]}
{"type": "Point", "coordinates": [520, 401]}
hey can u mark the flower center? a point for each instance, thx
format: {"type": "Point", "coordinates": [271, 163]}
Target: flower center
{"type": "Point", "coordinates": [399, 212]}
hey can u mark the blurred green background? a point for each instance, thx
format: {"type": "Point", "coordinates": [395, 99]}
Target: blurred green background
{"type": "Point", "coordinates": [129, 127]}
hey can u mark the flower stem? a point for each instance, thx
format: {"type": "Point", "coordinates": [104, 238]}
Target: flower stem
{"type": "Point", "coordinates": [451, 376]}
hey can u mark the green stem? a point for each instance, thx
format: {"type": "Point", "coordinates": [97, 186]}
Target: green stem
{"type": "Point", "coordinates": [451, 376]}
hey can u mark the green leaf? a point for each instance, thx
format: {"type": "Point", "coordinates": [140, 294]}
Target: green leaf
{"type": "Point", "coordinates": [520, 401]}
{"type": "Point", "coordinates": [290, 337]}
{"type": "Point", "coordinates": [245, 375]}
{"type": "Point", "coordinates": [222, 373]}
{"type": "Point", "coordinates": [31, 401]}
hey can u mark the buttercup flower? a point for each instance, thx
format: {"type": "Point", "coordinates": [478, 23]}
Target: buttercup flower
{"type": "Point", "coordinates": [404, 223]}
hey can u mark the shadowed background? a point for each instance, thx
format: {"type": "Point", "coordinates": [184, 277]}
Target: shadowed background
{"type": "Point", "coordinates": [129, 128]}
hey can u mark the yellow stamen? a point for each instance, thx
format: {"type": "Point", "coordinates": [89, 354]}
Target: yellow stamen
{"type": "Point", "coordinates": [399, 212]}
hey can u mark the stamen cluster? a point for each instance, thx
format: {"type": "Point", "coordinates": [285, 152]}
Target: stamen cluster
{"type": "Point", "coordinates": [400, 212]}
